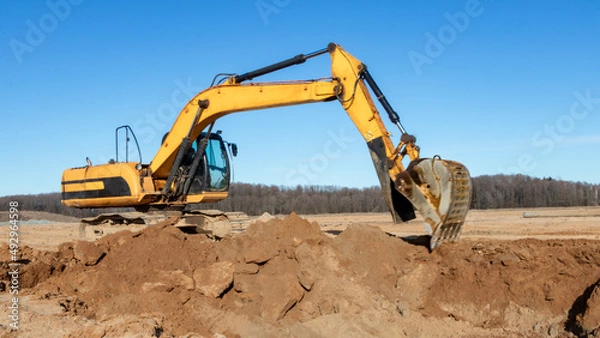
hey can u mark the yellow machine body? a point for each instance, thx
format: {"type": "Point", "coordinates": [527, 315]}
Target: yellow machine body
{"type": "Point", "coordinates": [183, 170]}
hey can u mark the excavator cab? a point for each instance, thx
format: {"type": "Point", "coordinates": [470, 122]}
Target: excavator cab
{"type": "Point", "coordinates": [214, 170]}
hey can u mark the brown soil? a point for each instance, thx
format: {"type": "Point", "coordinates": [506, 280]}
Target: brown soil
{"type": "Point", "coordinates": [288, 278]}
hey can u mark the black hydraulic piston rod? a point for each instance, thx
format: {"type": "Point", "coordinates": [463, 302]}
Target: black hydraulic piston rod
{"type": "Point", "coordinates": [185, 144]}
{"type": "Point", "coordinates": [384, 102]}
{"type": "Point", "coordinates": [296, 60]}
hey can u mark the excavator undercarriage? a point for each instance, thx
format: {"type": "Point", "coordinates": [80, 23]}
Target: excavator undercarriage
{"type": "Point", "coordinates": [213, 223]}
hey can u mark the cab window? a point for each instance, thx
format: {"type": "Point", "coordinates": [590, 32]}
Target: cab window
{"type": "Point", "coordinates": [216, 157]}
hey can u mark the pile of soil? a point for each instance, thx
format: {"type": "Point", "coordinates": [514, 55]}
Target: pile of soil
{"type": "Point", "coordinates": [286, 278]}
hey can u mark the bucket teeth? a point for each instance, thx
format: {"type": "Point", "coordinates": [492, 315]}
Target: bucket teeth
{"type": "Point", "coordinates": [451, 227]}
{"type": "Point", "coordinates": [440, 190]}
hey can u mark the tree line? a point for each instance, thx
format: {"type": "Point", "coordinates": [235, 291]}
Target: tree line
{"type": "Point", "coordinates": [489, 192]}
{"type": "Point", "coordinates": [520, 191]}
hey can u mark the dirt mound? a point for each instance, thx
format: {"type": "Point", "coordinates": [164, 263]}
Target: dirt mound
{"type": "Point", "coordinates": [285, 277]}
{"type": "Point", "coordinates": [164, 270]}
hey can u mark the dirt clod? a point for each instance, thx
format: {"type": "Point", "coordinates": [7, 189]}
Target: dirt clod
{"type": "Point", "coordinates": [278, 299]}
{"type": "Point", "coordinates": [214, 279]}
{"type": "Point", "coordinates": [87, 252]}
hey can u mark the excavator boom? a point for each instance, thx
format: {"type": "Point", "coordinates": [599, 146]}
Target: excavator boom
{"type": "Point", "coordinates": [438, 189]}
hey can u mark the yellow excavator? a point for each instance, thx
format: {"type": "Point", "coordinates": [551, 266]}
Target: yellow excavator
{"type": "Point", "coordinates": [193, 166]}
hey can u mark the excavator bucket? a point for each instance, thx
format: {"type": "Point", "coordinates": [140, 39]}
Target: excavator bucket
{"type": "Point", "coordinates": [440, 190]}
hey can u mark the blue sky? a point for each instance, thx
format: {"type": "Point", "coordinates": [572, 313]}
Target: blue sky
{"type": "Point", "coordinates": [501, 86]}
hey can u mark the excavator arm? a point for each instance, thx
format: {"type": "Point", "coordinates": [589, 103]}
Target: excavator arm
{"type": "Point", "coordinates": [438, 189]}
